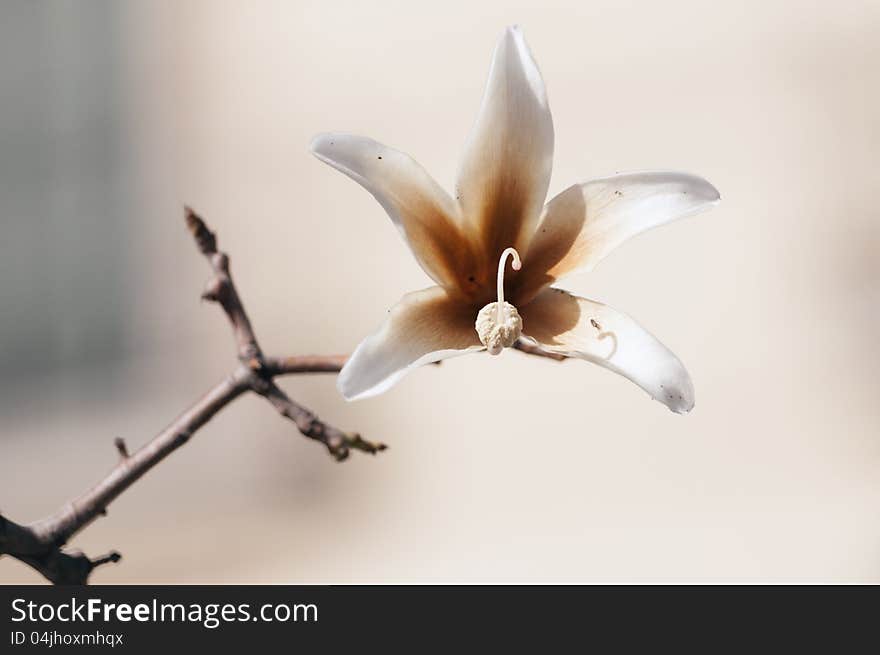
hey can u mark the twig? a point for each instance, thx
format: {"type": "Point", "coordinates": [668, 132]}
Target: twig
{"type": "Point", "coordinates": [303, 364]}
{"type": "Point", "coordinates": [339, 443]}
{"type": "Point", "coordinates": [220, 289]}
{"type": "Point", "coordinates": [121, 448]}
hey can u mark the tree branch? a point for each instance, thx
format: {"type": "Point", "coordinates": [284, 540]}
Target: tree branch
{"type": "Point", "coordinates": [273, 366]}
{"type": "Point", "coordinates": [40, 545]}
{"type": "Point", "coordinates": [220, 289]}
{"type": "Point", "coordinates": [339, 443]}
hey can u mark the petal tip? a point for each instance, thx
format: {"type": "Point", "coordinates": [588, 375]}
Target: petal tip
{"type": "Point", "coordinates": [341, 384]}
{"type": "Point", "coordinates": [707, 191]}
{"type": "Point", "coordinates": [681, 411]}
{"type": "Point", "coordinates": [701, 193]}
{"type": "Point", "coordinates": [346, 381]}
{"type": "Point", "coordinates": [680, 398]}
{"type": "Point", "coordinates": [513, 49]}
{"type": "Point", "coordinates": [319, 142]}
{"type": "Point", "coordinates": [680, 405]}
{"type": "Point", "coordinates": [344, 387]}
{"type": "Point", "coordinates": [713, 193]}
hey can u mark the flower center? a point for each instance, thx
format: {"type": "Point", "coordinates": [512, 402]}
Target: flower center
{"type": "Point", "coordinates": [498, 323]}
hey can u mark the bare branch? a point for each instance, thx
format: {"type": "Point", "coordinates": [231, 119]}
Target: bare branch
{"type": "Point", "coordinates": [81, 511]}
{"type": "Point", "coordinates": [40, 545]}
{"type": "Point", "coordinates": [339, 443]}
{"type": "Point", "coordinates": [57, 566]}
{"type": "Point", "coordinates": [121, 448]}
{"type": "Point", "coordinates": [273, 366]}
{"type": "Point", "coordinates": [220, 289]}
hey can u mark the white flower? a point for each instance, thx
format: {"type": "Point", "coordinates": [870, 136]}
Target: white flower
{"type": "Point", "coordinates": [499, 208]}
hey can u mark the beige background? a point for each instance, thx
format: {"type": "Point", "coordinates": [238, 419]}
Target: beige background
{"type": "Point", "coordinates": [509, 470]}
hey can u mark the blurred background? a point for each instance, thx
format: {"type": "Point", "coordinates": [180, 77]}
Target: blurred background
{"type": "Point", "coordinates": [114, 115]}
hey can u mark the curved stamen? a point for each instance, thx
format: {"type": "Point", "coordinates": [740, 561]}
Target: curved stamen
{"type": "Point", "coordinates": [515, 265]}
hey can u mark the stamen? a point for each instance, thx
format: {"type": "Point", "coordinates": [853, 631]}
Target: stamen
{"type": "Point", "coordinates": [515, 265]}
{"type": "Point", "coordinates": [498, 324]}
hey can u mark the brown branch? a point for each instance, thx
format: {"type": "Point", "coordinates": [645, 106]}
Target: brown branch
{"type": "Point", "coordinates": [303, 364]}
{"type": "Point", "coordinates": [339, 443]}
{"type": "Point", "coordinates": [220, 289]}
{"type": "Point", "coordinates": [121, 447]}
{"type": "Point", "coordinates": [40, 545]}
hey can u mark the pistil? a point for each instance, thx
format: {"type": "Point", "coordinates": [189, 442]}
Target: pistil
{"type": "Point", "coordinates": [499, 324]}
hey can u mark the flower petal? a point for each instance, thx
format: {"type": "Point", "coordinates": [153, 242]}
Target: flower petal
{"type": "Point", "coordinates": [577, 327]}
{"type": "Point", "coordinates": [587, 221]}
{"type": "Point", "coordinates": [423, 212]}
{"type": "Point", "coordinates": [424, 327]}
{"type": "Point", "coordinates": [502, 182]}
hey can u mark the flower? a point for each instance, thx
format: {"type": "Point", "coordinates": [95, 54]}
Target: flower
{"type": "Point", "coordinates": [499, 212]}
